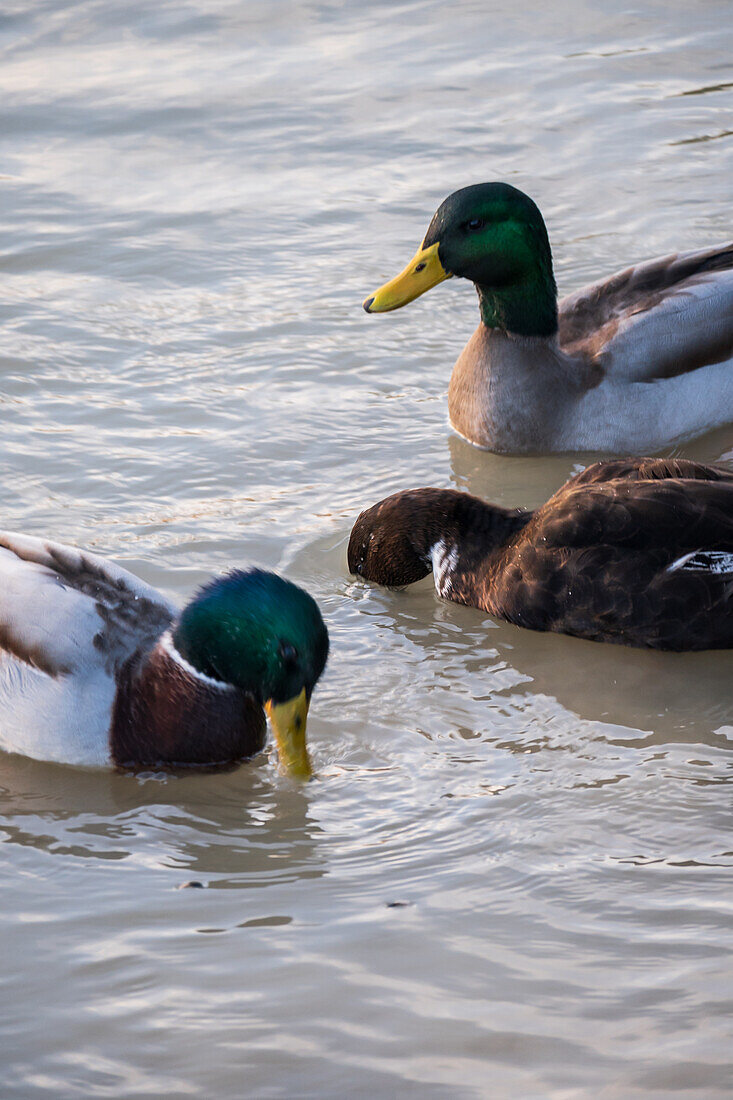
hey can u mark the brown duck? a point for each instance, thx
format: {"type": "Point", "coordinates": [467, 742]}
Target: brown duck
{"type": "Point", "coordinates": [633, 551]}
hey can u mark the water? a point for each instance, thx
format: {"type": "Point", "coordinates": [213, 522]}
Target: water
{"type": "Point", "coordinates": [512, 876]}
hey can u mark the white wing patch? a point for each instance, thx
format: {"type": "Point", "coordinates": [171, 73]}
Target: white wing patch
{"type": "Point", "coordinates": [704, 561]}
{"type": "Point", "coordinates": [444, 561]}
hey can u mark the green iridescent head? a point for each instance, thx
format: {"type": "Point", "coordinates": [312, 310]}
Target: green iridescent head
{"type": "Point", "coordinates": [266, 636]}
{"type": "Point", "coordinates": [494, 235]}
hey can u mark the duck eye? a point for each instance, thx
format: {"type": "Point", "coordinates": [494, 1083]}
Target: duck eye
{"type": "Point", "coordinates": [474, 224]}
{"type": "Point", "coordinates": [288, 653]}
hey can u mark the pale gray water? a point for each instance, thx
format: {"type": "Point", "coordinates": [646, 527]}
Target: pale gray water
{"type": "Point", "coordinates": [196, 198]}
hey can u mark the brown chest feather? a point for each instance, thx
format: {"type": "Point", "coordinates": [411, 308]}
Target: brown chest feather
{"type": "Point", "coordinates": [165, 716]}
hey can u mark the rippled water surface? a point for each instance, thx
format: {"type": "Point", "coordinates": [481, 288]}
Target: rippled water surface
{"type": "Point", "coordinates": [512, 875]}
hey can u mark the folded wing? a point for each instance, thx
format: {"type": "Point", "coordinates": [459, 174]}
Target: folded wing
{"type": "Point", "coordinates": [657, 319]}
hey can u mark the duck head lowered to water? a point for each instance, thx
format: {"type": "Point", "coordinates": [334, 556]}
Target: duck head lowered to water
{"type": "Point", "coordinates": [98, 668]}
{"type": "Point", "coordinates": [629, 364]}
{"type": "Point", "coordinates": [633, 551]}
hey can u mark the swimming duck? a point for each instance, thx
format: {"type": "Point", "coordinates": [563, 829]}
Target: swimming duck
{"type": "Point", "coordinates": [98, 668]}
{"type": "Point", "coordinates": [633, 551]}
{"type": "Point", "coordinates": [630, 364]}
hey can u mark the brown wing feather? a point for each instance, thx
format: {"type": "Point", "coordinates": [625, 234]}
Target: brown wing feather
{"type": "Point", "coordinates": [596, 561]}
{"type": "Point", "coordinates": [656, 320]}
{"type": "Point", "coordinates": [64, 610]}
{"type": "Point", "coordinates": [640, 287]}
{"type": "Point", "coordinates": [676, 515]}
{"type": "Point", "coordinates": [647, 469]}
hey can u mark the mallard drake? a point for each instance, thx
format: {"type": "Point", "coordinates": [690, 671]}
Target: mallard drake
{"type": "Point", "coordinates": [98, 668]}
{"type": "Point", "coordinates": [633, 551]}
{"type": "Point", "coordinates": [630, 365]}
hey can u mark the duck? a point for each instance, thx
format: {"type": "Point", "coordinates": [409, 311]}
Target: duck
{"type": "Point", "coordinates": [629, 365]}
{"type": "Point", "coordinates": [634, 551]}
{"type": "Point", "coordinates": [99, 669]}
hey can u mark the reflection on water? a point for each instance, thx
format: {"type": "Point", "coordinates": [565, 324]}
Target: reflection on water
{"type": "Point", "coordinates": [235, 828]}
{"type": "Point", "coordinates": [511, 874]}
{"type": "Point", "coordinates": [681, 696]}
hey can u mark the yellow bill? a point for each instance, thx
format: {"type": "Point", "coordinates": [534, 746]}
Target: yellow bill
{"type": "Point", "coordinates": [423, 272]}
{"type": "Point", "coordinates": [288, 724]}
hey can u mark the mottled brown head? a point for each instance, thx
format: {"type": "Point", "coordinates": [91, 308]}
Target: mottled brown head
{"type": "Point", "coordinates": [391, 542]}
